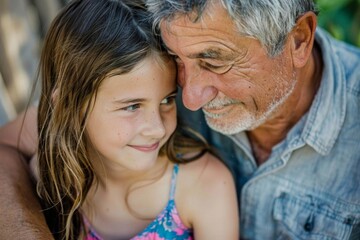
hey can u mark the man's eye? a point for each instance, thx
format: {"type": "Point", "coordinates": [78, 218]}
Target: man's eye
{"type": "Point", "coordinates": [219, 69]}
{"type": "Point", "coordinates": [131, 108]}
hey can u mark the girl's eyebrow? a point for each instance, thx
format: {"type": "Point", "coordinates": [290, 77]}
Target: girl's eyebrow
{"type": "Point", "coordinates": [173, 92]}
{"type": "Point", "coordinates": [138, 100]}
{"type": "Point", "coordinates": [129, 100]}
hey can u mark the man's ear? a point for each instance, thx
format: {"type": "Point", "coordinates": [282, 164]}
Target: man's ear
{"type": "Point", "coordinates": [302, 38]}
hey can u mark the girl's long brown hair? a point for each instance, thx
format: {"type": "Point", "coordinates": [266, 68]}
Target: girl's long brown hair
{"type": "Point", "coordinates": [86, 41]}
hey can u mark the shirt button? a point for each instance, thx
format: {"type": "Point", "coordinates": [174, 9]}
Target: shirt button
{"type": "Point", "coordinates": [309, 225]}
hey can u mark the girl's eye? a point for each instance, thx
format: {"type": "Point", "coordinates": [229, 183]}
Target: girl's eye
{"type": "Point", "coordinates": [168, 100]}
{"type": "Point", "coordinates": [131, 108]}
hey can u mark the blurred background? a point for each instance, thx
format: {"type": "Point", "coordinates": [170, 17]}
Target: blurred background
{"type": "Point", "coordinates": [23, 24]}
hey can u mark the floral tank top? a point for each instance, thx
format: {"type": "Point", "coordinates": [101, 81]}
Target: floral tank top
{"type": "Point", "coordinates": [167, 225]}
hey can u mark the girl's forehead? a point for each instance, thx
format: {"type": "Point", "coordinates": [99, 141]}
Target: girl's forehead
{"type": "Point", "coordinates": [152, 68]}
{"type": "Point", "coordinates": [156, 59]}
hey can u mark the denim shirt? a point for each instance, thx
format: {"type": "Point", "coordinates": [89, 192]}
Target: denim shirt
{"type": "Point", "coordinates": [309, 188]}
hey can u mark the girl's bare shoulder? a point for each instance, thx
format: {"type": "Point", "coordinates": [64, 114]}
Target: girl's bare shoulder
{"type": "Point", "coordinates": [206, 170]}
{"type": "Point", "coordinates": [201, 184]}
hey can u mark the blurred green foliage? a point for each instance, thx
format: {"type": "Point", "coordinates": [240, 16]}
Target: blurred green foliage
{"type": "Point", "coordinates": [341, 18]}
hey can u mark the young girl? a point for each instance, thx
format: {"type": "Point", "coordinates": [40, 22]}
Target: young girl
{"type": "Point", "coordinates": [110, 154]}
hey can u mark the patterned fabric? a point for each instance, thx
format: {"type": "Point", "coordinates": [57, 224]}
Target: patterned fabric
{"type": "Point", "coordinates": [167, 224]}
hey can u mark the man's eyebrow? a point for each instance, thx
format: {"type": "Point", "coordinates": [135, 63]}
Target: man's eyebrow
{"type": "Point", "coordinates": [208, 53]}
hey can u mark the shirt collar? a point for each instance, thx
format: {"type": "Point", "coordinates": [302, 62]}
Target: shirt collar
{"type": "Point", "coordinates": [327, 113]}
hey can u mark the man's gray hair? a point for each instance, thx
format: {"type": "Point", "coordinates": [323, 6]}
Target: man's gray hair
{"type": "Point", "coordinates": [269, 21]}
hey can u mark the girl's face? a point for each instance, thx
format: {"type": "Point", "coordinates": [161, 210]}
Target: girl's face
{"type": "Point", "coordinates": [133, 116]}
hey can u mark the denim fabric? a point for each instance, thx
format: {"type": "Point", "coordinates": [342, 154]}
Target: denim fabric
{"type": "Point", "coordinates": [309, 188]}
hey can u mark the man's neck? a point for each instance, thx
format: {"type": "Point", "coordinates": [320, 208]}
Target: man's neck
{"type": "Point", "coordinates": [272, 132]}
{"type": "Point", "coordinates": [264, 138]}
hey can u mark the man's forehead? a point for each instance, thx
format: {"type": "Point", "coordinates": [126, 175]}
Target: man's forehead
{"type": "Point", "coordinates": [193, 43]}
{"type": "Point", "coordinates": [214, 18]}
{"type": "Point", "coordinates": [181, 26]}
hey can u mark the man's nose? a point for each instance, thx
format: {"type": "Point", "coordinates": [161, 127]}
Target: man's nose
{"type": "Point", "coordinates": [197, 89]}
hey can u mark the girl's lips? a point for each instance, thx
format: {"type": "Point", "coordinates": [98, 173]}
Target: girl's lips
{"type": "Point", "coordinates": [146, 148]}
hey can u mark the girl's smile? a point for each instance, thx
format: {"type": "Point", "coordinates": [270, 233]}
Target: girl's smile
{"type": "Point", "coordinates": [146, 148]}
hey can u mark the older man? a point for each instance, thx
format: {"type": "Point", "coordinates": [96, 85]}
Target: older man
{"type": "Point", "coordinates": [280, 100]}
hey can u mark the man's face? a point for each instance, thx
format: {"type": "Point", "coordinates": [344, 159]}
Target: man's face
{"type": "Point", "coordinates": [226, 74]}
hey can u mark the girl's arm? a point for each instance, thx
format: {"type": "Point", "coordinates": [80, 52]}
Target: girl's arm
{"type": "Point", "coordinates": [212, 203]}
